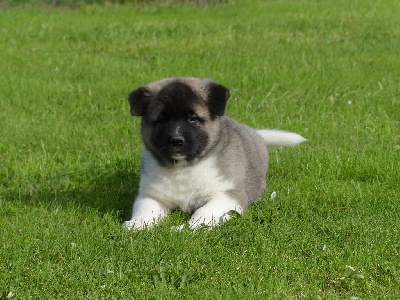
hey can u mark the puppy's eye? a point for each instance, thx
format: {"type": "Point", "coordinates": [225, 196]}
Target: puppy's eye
{"type": "Point", "coordinates": [193, 119]}
{"type": "Point", "coordinates": [161, 119]}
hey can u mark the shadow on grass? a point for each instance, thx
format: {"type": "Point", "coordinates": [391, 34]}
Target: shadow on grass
{"type": "Point", "coordinates": [106, 190]}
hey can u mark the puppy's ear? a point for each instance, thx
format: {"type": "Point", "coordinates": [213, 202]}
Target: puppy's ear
{"type": "Point", "coordinates": [218, 95]}
{"type": "Point", "coordinates": [139, 100]}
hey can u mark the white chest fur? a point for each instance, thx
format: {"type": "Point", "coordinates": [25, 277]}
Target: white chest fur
{"type": "Point", "coordinates": [186, 187]}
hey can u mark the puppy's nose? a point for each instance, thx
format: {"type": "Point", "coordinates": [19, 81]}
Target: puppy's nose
{"type": "Point", "coordinates": [177, 141]}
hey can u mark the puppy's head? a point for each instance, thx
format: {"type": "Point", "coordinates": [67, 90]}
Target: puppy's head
{"type": "Point", "coordinates": [180, 117]}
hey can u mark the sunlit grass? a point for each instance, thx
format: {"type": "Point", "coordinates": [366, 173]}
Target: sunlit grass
{"type": "Point", "coordinates": [70, 151]}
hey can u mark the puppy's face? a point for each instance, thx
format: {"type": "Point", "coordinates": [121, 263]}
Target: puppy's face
{"type": "Point", "coordinates": [179, 117]}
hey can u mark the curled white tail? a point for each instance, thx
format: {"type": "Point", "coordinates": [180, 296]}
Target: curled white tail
{"type": "Point", "coordinates": [279, 138]}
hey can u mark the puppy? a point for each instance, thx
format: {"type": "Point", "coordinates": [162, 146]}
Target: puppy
{"type": "Point", "coordinates": [196, 158]}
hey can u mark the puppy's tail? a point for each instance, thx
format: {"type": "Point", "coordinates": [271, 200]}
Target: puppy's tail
{"type": "Point", "coordinates": [279, 138]}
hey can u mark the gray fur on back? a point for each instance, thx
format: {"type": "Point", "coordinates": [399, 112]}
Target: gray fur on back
{"type": "Point", "coordinates": [242, 156]}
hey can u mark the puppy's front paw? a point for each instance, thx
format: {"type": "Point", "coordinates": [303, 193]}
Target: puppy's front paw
{"type": "Point", "coordinates": [215, 212]}
{"type": "Point", "coordinates": [135, 225]}
{"type": "Point", "coordinates": [177, 228]}
{"type": "Point", "coordinates": [194, 227]}
{"type": "Point", "coordinates": [197, 222]}
{"type": "Point", "coordinates": [128, 225]}
{"type": "Point", "coordinates": [146, 213]}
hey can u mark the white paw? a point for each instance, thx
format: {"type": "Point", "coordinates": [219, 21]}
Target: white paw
{"type": "Point", "coordinates": [137, 225]}
{"type": "Point", "coordinates": [197, 222]}
{"type": "Point", "coordinates": [193, 227]}
{"type": "Point", "coordinates": [177, 228]}
{"type": "Point", "coordinates": [146, 213]}
{"type": "Point", "coordinates": [215, 212]}
{"type": "Point", "coordinates": [225, 217]}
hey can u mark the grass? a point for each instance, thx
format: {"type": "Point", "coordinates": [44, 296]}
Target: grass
{"type": "Point", "coordinates": [70, 152]}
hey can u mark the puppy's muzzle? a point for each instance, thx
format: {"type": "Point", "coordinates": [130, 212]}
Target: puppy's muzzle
{"type": "Point", "coordinates": [177, 141]}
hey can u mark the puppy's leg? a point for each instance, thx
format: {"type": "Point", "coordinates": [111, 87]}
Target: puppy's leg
{"type": "Point", "coordinates": [215, 212]}
{"type": "Point", "coordinates": [146, 212]}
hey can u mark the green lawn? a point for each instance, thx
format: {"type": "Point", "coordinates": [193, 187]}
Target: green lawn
{"type": "Point", "coordinates": [70, 151]}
